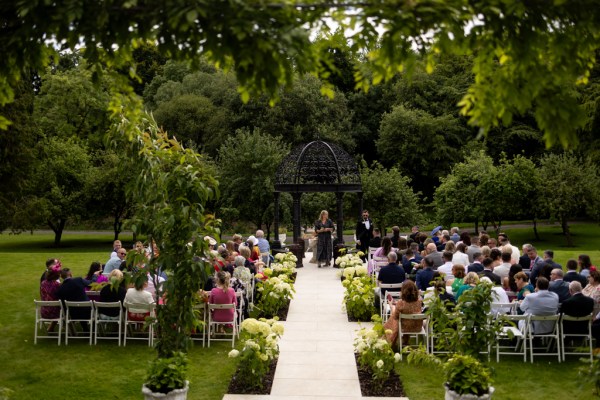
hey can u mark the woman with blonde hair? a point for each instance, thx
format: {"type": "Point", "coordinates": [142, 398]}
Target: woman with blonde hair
{"type": "Point", "coordinates": [324, 227]}
{"type": "Point", "coordinates": [471, 280]}
{"type": "Point", "coordinates": [223, 294]}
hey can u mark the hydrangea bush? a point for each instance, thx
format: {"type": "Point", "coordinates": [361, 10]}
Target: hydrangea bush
{"type": "Point", "coordinates": [374, 352]}
{"type": "Point", "coordinates": [359, 298]}
{"type": "Point", "coordinates": [259, 348]}
{"type": "Point", "coordinates": [285, 264]}
{"type": "Point", "coordinates": [351, 266]}
{"type": "Point", "coordinates": [274, 293]}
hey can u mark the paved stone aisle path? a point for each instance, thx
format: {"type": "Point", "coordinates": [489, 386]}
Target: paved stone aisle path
{"type": "Point", "coordinates": [316, 359]}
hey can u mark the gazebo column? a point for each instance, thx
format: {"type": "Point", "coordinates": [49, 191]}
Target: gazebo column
{"type": "Point", "coordinates": [296, 197]}
{"type": "Point", "coordinates": [276, 242]}
{"type": "Point", "coordinates": [360, 205]}
{"type": "Point", "coordinates": [340, 217]}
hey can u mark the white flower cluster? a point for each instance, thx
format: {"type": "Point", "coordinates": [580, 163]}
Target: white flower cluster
{"type": "Point", "coordinates": [261, 338]}
{"type": "Point", "coordinates": [348, 260]}
{"type": "Point", "coordinates": [286, 257]}
{"type": "Point", "coordinates": [374, 350]}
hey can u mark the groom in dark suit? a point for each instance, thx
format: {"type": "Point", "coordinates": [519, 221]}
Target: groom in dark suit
{"type": "Point", "coordinates": [364, 232]}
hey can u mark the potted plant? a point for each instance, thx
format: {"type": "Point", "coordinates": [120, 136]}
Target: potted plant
{"type": "Point", "coordinates": [166, 379]}
{"type": "Point", "coordinates": [171, 193]}
{"type": "Point", "coordinates": [467, 378]}
{"type": "Point", "coordinates": [465, 334]}
{"type": "Point", "coordinates": [282, 234]}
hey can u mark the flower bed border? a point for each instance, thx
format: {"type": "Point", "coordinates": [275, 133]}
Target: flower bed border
{"type": "Point", "coordinates": [235, 388]}
{"type": "Point", "coordinates": [392, 387]}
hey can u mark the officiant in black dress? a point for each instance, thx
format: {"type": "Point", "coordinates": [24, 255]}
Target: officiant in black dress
{"type": "Point", "coordinates": [324, 227]}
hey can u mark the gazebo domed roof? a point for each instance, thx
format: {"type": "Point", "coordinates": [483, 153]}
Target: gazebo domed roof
{"type": "Point", "coordinates": [318, 167]}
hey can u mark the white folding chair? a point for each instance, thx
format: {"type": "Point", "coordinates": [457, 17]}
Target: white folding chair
{"type": "Point", "coordinates": [586, 338]}
{"type": "Point", "coordinates": [240, 308]}
{"type": "Point", "coordinates": [515, 337]}
{"type": "Point", "coordinates": [201, 310]}
{"type": "Point", "coordinates": [394, 287]}
{"type": "Point", "coordinates": [552, 335]}
{"type": "Point", "coordinates": [504, 308]}
{"type": "Point", "coordinates": [390, 299]}
{"type": "Point", "coordinates": [42, 324]}
{"type": "Point", "coordinates": [213, 325]}
{"type": "Point", "coordinates": [133, 327]}
{"type": "Point", "coordinates": [72, 321]}
{"type": "Point", "coordinates": [378, 263]}
{"type": "Point", "coordinates": [102, 322]}
{"type": "Point", "coordinates": [371, 253]}
{"type": "Point", "coordinates": [423, 332]}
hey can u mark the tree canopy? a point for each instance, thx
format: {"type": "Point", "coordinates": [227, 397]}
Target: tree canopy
{"type": "Point", "coordinates": [526, 55]}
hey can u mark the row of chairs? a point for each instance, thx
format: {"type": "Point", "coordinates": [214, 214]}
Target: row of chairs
{"type": "Point", "coordinates": [93, 326]}
{"type": "Point", "coordinates": [518, 337]}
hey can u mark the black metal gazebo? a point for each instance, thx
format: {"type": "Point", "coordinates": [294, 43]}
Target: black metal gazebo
{"type": "Point", "coordinates": [317, 167]}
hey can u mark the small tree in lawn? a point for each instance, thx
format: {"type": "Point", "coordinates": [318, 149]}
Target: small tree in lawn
{"type": "Point", "coordinates": [569, 188]}
{"type": "Point", "coordinates": [172, 190]}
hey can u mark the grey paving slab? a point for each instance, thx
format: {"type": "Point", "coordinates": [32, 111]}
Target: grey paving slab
{"type": "Point", "coordinates": [316, 359]}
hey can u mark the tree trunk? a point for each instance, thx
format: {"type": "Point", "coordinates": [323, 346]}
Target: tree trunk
{"type": "Point", "coordinates": [565, 227]}
{"type": "Point", "coordinates": [268, 229]}
{"type": "Point", "coordinates": [117, 226]}
{"type": "Point", "coordinates": [477, 227]}
{"type": "Point", "coordinates": [535, 231]}
{"type": "Point", "coordinates": [484, 225]}
{"type": "Point", "coordinates": [58, 230]}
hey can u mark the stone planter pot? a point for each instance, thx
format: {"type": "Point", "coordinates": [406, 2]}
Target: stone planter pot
{"type": "Point", "coordinates": [177, 394]}
{"type": "Point", "coordinates": [452, 395]}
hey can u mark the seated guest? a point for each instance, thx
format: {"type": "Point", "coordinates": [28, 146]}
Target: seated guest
{"type": "Point", "coordinates": [381, 253]}
{"type": "Point", "coordinates": [391, 273]}
{"type": "Point", "coordinates": [558, 285]}
{"type": "Point", "coordinates": [585, 263]}
{"type": "Point", "coordinates": [73, 289]}
{"type": "Point", "coordinates": [222, 294]}
{"type": "Point", "coordinates": [137, 295]}
{"type": "Point", "coordinates": [592, 289]}
{"type": "Point", "coordinates": [242, 272]}
{"type": "Point", "coordinates": [114, 291]}
{"type": "Point", "coordinates": [471, 280]}
{"type": "Point", "coordinates": [432, 253]}
{"type": "Point", "coordinates": [540, 303]}
{"type": "Point", "coordinates": [237, 241]}
{"type": "Point", "coordinates": [523, 286]}
{"type": "Point", "coordinates": [49, 292]}
{"type": "Point", "coordinates": [476, 266]}
{"type": "Point", "coordinates": [51, 262]}
{"type": "Point", "coordinates": [458, 271]}
{"type": "Point", "coordinates": [252, 244]}
{"type": "Point", "coordinates": [439, 289]}
{"type": "Point", "coordinates": [95, 273]}
{"type": "Point", "coordinates": [410, 261]}
{"type": "Point", "coordinates": [509, 283]}
{"type": "Point", "coordinates": [246, 252]}
{"type": "Point", "coordinates": [498, 296]}
{"type": "Point", "coordinates": [424, 274]}
{"type": "Point", "coordinates": [409, 304]}
{"type": "Point", "coordinates": [115, 262]}
{"type": "Point", "coordinates": [376, 240]}
{"type": "Point", "coordinates": [573, 275]}
{"type": "Point", "coordinates": [496, 256]}
{"type": "Point", "coordinates": [116, 246]}
{"type": "Point", "coordinates": [503, 269]}
{"type": "Point", "coordinates": [446, 268]}
{"type": "Point", "coordinates": [459, 256]}
{"type": "Point", "coordinates": [578, 305]}
{"type": "Point", "coordinates": [488, 270]}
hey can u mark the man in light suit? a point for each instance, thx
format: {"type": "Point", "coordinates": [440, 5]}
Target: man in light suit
{"type": "Point", "coordinates": [542, 302]}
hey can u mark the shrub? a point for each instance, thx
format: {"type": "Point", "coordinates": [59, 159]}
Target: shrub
{"type": "Point", "coordinates": [285, 264]}
{"type": "Point", "coordinates": [259, 348]}
{"type": "Point", "coordinates": [167, 373]}
{"type": "Point", "coordinates": [359, 298]}
{"type": "Point", "coordinates": [375, 353]}
{"type": "Point", "coordinates": [273, 294]}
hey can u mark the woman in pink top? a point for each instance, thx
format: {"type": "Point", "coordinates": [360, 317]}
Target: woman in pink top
{"type": "Point", "coordinates": [223, 294]}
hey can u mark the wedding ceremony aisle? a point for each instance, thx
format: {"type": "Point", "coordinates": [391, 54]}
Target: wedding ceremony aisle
{"type": "Point", "coordinates": [317, 353]}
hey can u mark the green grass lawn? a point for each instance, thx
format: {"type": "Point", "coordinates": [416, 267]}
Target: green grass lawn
{"type": "Point", "coordinates": [105, 371]}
